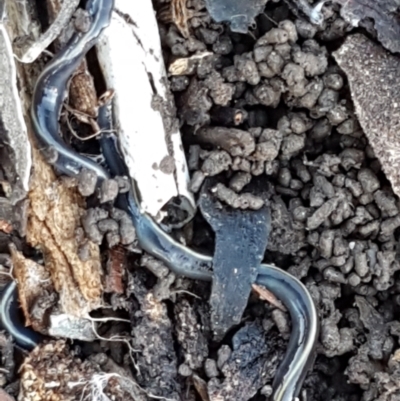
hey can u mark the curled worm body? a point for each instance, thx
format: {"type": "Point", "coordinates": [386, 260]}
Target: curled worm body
{"type": "Point", "coordinates": [10, 319]}
{"type": "Point", "coordinates": [51, 89]}
{"type": "Point", "coordinates": [48, 97]}
{"type": "Point", "coordinates": [300, 354]}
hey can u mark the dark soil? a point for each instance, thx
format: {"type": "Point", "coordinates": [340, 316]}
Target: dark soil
{"type": "Point", "coordinates": [273, 107]}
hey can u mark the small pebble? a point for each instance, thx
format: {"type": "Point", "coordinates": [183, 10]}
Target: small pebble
{"type": "Point", "coordinates": [284, 177]}
{"type": "Point", "coordinates": [224, 353]}
{"type": "Point", "coordinates": [239, 181]}
{"type": "Point", "coordinates": [194, 157]}
{"type": "Point", "coordinates": [89, 224]}
{"type": "Point", "coordinates": [217, 162]}
{"type": "Point", "coordinates": [196, 181]}
{"type": "Point", "coordinates": [109, 190]}
{"type": "Point", "coordinates": [210, 368]}
{"type": "Point", "coordinates": [127, 230]}
{"type": "Point", "coordinates": [184, 370]}
{"type": "Point", "coordinates": [242, 201]}
{"type": "Point", "coordinates": [107, 225]}
{"type": "Point", "coordinates": [84, 252]}
{"type": "Point", "coordinates": [282, 322]}
{"type": "Point", "coordinates": [87, 181]}
{"type": "Point", "coordinates": [112, 239]}
{"type": "Point", "coordinates": [123, 184]}
{"type": "Point", "coordinates": [354, 280]}
{"type": "Point", "coordinates": [334, 276]}
{"type": "Point", "coordinates": [266, 391]}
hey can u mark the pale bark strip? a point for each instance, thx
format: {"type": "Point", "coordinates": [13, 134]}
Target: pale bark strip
{"type": "Point", "coordinates": [11, 112]}
{"type": "Point", "coordinates": [131, 59]}
{"type": "Point", "coordinates": [30, 53]}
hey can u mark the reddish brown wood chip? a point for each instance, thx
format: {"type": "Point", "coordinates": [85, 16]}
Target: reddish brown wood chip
{"type": "Point", "coordinates": [116, 265]}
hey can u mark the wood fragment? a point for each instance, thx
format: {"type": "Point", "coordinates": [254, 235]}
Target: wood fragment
{"type": "Point", "coordinates": [180, 16]}
{"type": "Point", "coordinates": [12, 124]}
{"type": "Point", "coordinates": [33, 282]}
{"type": "Point", "coordinates": [267, 296]}
{"type": "Point", "coordinates": [201, 387]}
{"type": "Point", "coordinates": [55, 209]}
{"type": "Point", "coordinates": [116, 265]}
{"type": "Point", "coordinates": [55, 214]}
{"type": "Point", "coordinates": [187, 65]}
{"type": "Point", "coordinates": [177, 13]}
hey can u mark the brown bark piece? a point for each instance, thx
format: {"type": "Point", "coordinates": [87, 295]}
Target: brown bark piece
{"type": "Point", "coordinates": [374, 79]}
{"type": "Point", "coordinates": [53, 219]}
{"type": "Point", "coordinates": [82, 92]}
{"type": "Point", "coordinates": [83, 95]}
{"type": "Point", "coordinates": [33, 280]}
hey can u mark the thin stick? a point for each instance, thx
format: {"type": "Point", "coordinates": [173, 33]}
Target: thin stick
{"type": "Point", "coordinates": [266, 295]}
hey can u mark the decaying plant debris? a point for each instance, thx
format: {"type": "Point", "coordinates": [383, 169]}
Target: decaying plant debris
{"type": "Point", "coordinates": [308, 111]}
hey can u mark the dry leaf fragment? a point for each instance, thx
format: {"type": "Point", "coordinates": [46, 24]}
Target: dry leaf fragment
{"type": "Point", "coordinates": [187, 65]}
{"type": "Point", "coordinates": [375, 87]}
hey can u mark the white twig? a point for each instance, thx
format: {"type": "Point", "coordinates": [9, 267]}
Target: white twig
{"type": "Point", "coordinates": [11, 112]}
{"type": "Point", "coordinates": [30, 54]}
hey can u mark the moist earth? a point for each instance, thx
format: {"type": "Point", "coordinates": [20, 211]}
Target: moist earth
{"type": "Point", "coordinates": [269, 108]}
